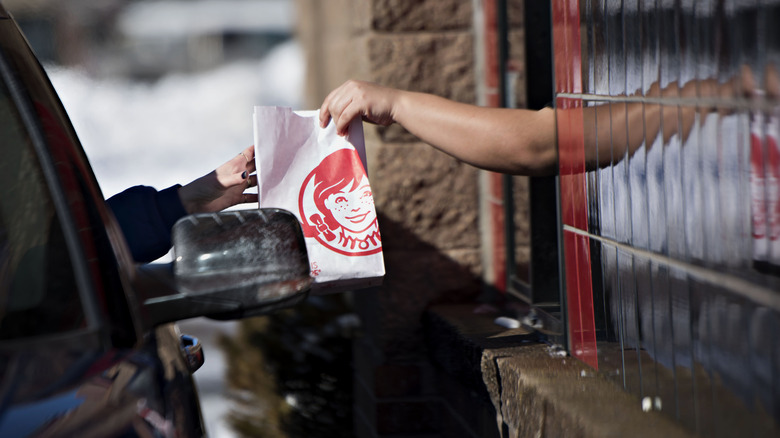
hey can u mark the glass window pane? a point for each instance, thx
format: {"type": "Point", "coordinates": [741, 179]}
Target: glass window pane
{"type": "Point", "coordinates": [38, 292]}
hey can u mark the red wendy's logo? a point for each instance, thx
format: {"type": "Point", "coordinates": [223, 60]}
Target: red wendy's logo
{"type": "Point", "coordinates": [337, 207]}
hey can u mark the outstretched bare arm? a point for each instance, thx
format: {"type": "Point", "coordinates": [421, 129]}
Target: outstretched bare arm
{"type": "Point", "coordinates": [505, 140]}
{"type": "Point", "coordinates": [517, 141]}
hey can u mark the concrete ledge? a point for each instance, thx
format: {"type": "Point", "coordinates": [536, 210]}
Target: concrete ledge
{"type": "Point", "coordinates": [536, 392]}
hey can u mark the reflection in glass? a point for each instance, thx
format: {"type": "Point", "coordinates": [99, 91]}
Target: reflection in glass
{"type": "Point", "coordinates": [683, 204]}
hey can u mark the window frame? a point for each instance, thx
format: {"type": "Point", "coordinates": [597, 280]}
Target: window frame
{"type": "Point", "coordinates": [42, 117]}
{"type": "Point", "coordinates": [544, 290]}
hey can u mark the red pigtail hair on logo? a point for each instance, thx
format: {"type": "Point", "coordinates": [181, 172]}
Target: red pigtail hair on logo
{"type": "Point", "coordinates": [322, 228]}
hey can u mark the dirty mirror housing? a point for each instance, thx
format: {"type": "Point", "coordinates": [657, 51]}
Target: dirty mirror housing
{"type": "Point", "coordinates": [229, 265]}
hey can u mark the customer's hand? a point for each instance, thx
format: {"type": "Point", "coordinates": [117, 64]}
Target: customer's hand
{"type": "Point", "coordinates": [373, 103]}
{"type": "Point", "coordinates": [223, 187]}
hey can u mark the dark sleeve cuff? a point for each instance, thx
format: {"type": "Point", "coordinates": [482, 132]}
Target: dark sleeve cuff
{"type": "Point", "coordinates": [169, 205]}
{"type": "Point", "coordinates": [146, 217]}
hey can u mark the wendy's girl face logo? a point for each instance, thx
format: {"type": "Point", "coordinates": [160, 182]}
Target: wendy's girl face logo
{"type": "Point", "coordinates": [337, 207]}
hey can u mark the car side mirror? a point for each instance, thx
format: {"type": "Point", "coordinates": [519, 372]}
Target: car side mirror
{"type": "Point", "coordinates": [227, 265]}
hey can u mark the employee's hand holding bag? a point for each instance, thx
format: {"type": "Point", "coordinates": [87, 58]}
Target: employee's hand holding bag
{"type": "Point", "coordinates": [320, 176]}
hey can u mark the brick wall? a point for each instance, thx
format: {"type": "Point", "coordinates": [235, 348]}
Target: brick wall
{"type": "Point", "coordinates": [428, 202]}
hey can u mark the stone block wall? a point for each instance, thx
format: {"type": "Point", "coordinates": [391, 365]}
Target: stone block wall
{"type": "Point", "coordinates": [427, 202]}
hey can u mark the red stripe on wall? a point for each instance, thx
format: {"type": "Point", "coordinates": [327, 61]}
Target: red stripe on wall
{"type": "Point", "coordinates": [571, 154]}
{"type": "Point", "coordinates": [579, 297]}
{"type": "Point", "coordinates": [498, 231]}
{"type": "Point", "coordinates": [495, 186]}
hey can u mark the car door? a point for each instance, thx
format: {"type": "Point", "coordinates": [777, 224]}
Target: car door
{"type": "Point", "coordinates": [74, 360]}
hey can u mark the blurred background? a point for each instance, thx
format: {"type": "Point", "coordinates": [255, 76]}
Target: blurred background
{"type": "Point", "coordinates": [162, 92]}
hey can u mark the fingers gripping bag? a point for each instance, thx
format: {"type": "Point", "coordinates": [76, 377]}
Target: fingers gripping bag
{"type": "Point", "coordinates": [321, 178]}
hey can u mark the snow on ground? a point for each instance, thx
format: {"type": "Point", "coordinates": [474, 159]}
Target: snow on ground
{"type": "Point", "coordinates": [180, 127]}
{"type": "Point", "coordinates": [173, 131]}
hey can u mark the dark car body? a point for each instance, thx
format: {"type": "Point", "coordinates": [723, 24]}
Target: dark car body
{"type": "Point", "coordinates": [88, 346]}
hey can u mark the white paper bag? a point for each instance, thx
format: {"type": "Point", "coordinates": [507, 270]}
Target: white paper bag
{"type": "Point", "coordinates": [321, 178]}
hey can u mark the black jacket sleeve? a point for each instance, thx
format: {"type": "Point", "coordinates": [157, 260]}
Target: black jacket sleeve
{"type": "Point", "coordinates": [146, 217]}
